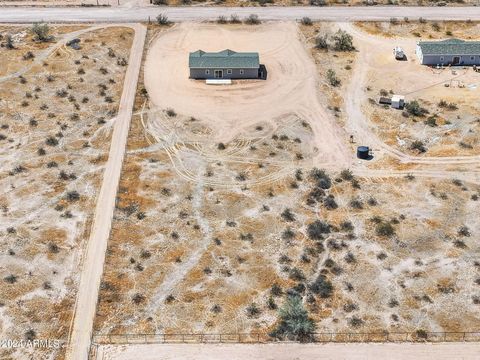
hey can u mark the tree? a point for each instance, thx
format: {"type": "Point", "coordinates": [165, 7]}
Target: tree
{"type": "Point", "coordinates": [295, 324]}
{"type": "Point", "coordinates": [41, 32]}
{"type": "Point", "coordinates": [252, 19]}
{"type": "Point", "coordinates": [343, 41]}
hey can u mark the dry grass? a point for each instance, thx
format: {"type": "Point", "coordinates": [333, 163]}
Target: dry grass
{"type": "Point", "coordinates": [45, 223]}
{"type": "Point", "coordinates": [179, 246]}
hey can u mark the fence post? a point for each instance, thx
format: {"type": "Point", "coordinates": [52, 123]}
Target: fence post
{"type": "Point", "coordinates": [220, 338]}
{"type": "Point", "coordinates": [464, 336]}
{"type": "Point", "coordinates": [258, 337]}
{"type": "Point", "coordinates": [164, 340]}
{"type": "Point", "coordinates": [126, 338]}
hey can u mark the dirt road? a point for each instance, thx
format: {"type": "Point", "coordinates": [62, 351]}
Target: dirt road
{"type": "Point", "coordinates": [195, 13]}
{"type": "Point", "coordinates": [92, 265]}
{"type": "Point", "coordinates": [458, 351]}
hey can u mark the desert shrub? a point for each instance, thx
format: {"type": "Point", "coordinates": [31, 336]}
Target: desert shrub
{"type": "Point", "coordinates": [73, 195]}
{"type": "Point", "coordinates": [287, 215]}
{"type": "Point", "coordinates": [296, 274]}
{"type": "Point", "coordinates": [295, 324]}
{"type": "Point", "coordinates": [162, 19]}
{"type": "Point", "coordinates": [222, 19]}
{"type": "Point", "coordinates": [322, 287]}
{"type": "Point", "coordinates": [342, 41]}
{"type": "Point", "coordinates": [421, 334]}
{"type": "Point", "coordinates": [332, 78]}
{"type": "Point", "coordinates": [160, 2]}
{"type": "Point", "coordinates": [316, 229]}
{"type": "Point", "coordinates": [384, 229]}
{"type": "Point", "coordinates": [306, 21]}
{"type": "Point", "coordinates": [30, 335]}
{"type": "Point", "coordinates": [318, 2]}
{"type": "Point", "coordinates": [252, 310]}
{"type": "Point", "coordinates": [350, 258]}
{"type": "Point", "coordinates": [252, 19]}
{"type": "Point", "coordinates": [10, 279]}
{"type": "Point", "coordinates": [288, 234]}
{"type": "Point", "coordinates": [346, 175]}
{"type": "Point", "coordinates": [355, 322]}
{"type": "Point", "coordinates": [321, 177]}
{"type": "Point", "coordinates": [234, 19]}
{"type": "Point", "coordinates": [330, 203]}
{"type": "Point", "coordinates": [346, 225]}
{"type": "Point", "coordinates": [138, 298]}
{"type": "Point", "coordinates": [41, 32]}
{"type": "Point", "coordinates": [356, 204]}
{"type": "Point", "coordinates": [9, 43]}
{"type": "Point", "coordinates": [221, 146]}
{"type": "Point", "coordinates": [216, 309]}
{"type": "Point", "coordinates": [418, 145]}
{"type": "Point", "coordinates": [431, 121]}
{"type": "Point", "coordinates": [271, 303]}
{"type": "Point", "coordinates": [51, 141]}
{"type": "Point", "coordinates": [414, 108]}
{"type": "Point", "coordinates": [171, 113]}
{"type": "Point", "coordinates": [321, 41]}
{"type": "Point", "coordinates": [464, 231]}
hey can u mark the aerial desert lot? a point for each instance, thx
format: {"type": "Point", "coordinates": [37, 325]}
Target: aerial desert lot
{"type": "Point", "coordinates": [138, 204]}
{"type": "Point", "coordinates": [235, 199]}
{"type": "Point", "coordinates": [57, 107]}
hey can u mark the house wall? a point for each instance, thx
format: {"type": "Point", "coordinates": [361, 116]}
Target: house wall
{"type": "Point", "coordinates": [201, 74]}
{"type": "Point", "coordinates": [446, 59]}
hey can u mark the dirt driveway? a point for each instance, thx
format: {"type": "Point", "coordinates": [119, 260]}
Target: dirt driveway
{"type": "Point", "coordinates": [290, 90]}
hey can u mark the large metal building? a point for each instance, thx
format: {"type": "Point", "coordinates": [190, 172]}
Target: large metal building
{"type": "Point", "coordinates": [226, 64]}
{"type": "Point", "coordinates": [454, 52]}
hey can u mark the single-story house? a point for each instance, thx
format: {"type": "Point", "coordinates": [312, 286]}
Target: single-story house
{"type": "Point", "coordinates": [449, 52]}
{"type": "Point", "coordinates": [226, 64]}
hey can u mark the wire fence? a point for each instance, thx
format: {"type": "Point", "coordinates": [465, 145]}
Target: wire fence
{"type": "Point", "coordinates": [248, 338]}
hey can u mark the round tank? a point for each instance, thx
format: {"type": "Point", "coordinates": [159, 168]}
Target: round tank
{"type": "Point", "coordinates": [363, 152]}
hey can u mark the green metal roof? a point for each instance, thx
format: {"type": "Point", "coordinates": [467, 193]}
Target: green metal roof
{"type": "Point", "coordinates": [223, 59]}
{"type": "Point", "coordinates": [450, 47]}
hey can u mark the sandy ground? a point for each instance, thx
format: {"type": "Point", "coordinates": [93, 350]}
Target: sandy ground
{"type": "Point", "coordinates": [92, 265]}
{"type": "Point", "coordinates": [290, 90]}
{"type": "Point", "coordinates": [458, 351]}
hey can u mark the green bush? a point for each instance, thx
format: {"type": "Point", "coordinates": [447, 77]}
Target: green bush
{"type": "Point", "coordinates": [295, 324]}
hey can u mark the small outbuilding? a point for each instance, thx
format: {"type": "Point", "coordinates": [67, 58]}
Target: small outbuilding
{"type": "Point", "coordinates": [398, 101]}
{"type": "Point", "coordinates": [449, 52]}
{"type": "Point", "coordinates": [226, 64]}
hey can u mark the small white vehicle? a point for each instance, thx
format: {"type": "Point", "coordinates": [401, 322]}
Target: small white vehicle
{"type": "Point", "coordinates": [398, 52]}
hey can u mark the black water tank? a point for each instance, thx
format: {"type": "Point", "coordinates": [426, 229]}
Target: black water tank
{"type": "Point", "coordinates": [363, 152]}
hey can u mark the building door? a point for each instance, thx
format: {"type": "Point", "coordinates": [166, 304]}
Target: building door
{"type": "Point", "coordinates": [218, 74]}
{"type": "Point", "coordinates": [456, 60]}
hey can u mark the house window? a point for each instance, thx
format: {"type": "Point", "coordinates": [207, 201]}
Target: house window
{"type": "Point", "coordinates": [442, 58]}
{"type": "Point", "coordinates": [241, 71]}
{"type": "Point", "coordinates": [229, 71]}
{"type": "Point", "coordinates": [472, 58]}
{"type": "Point", "coordinates": [207, 72]}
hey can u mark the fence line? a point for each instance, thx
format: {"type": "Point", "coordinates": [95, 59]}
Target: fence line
{"type": "Point", "coordinates": [246, 338]}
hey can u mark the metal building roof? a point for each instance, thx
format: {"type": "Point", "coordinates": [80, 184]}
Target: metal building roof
{"type": "Point", "coordinates": [450, 47]}
{"type": "Point", "coordinates": [223, 59]}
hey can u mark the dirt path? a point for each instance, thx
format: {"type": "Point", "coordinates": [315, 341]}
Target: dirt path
{"type": "Point", "coordinates": [93, 260]}
{"type": "Point", "coordinates": [458, 351]}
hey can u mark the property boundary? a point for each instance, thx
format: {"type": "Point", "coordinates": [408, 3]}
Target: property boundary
{"type": "Point", "coordinates": [248, 338]}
